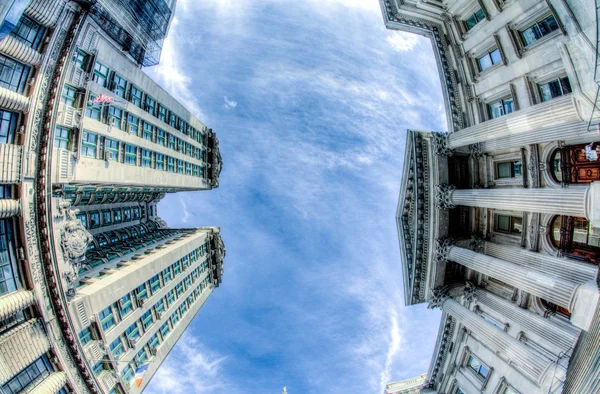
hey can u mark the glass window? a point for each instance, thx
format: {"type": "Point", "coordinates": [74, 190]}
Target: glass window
{"type": "Point", "coordinates": [160, 306]}
{"type": "Point", "coordinates": [176, 268]}
{"type": "Point", "coordinates": [170, 164]}
{"type": "Point", "coordinates": [501, 107]}
{"type": "Point", "coordinates": [141, 357]}
{"type": "Point", "coordinates": [120, 85]}
{"type": "Point", "coordinates": [179, 166]}
{"type": "Point", "coordinates": [112, 147]}
{"type": "Point", "coordinates": [188, 168]}
{"type": "Point", "coordinates": [509, 224]}
{"type": "Point", "coordinates": [148, 131]}
{"type": "Point", "coordinates": [28, 31]}
{"type": "Point", "coordinates": [133, 332]}
{"type": "Point", "coordinates": [146, 158]}
{"type": "Point", "coordinates": [130, 154]}
{"type": "Point", "coordinates": [162, 113]}
{"type": "Point", "coordinates": [510, 390]}
{"type": "Point", "coordinates": [127, 214]}
{"type": "Point", "coordinates": [85, 336]}
{"type": "Point", "coordinates": [474, 19]}
{"type": "Point", "coordinates": [555, 88]}
{"type": "Point", "coordinates": [89, 143]}
{"type": "Point", "coordinates": [489, 59]}
{"type": "Point", "coordinates": [8, 125]}
{"type": "Point", "coordinates": [106, 217]}
{"type": "Point", "coordinates": [94, 219]}
{"type": "Point", "coordinates": [509, 169]}
{"type": "Point", "coordinates": [171, 297]}
{"type": "Point", "coordinates": [171, 144]}
{"type": "Point", "coordinates": [107, 320]}
{"type": "Point", "coordinates": [83, 219]}
{"type": "Point", "coordinates": [583, 234]}
{"type": "Point", "coordinates": [36, 370]}
{"type": "Point", "coordinates": [62, 138]}
{"type": "Point", "coordinates": [160, 161]}
{"type": "Point", "coordinates": [142, 292]}
{"type": "Point", "coordinates": [174, 318]}
{"type": "Point", "coordinates": [173, 120]}
{"type": "Point", "coordinates": [116, 348]}
{"type": "Point", "coordinates": [155, 283]}
{"type": "Point", "coordinates": [150, 105]}
{"type": "Point", "coordinates": [153, 342]}
{"type": "Point", "coordinates": [136, 96]}
{"type": "Point", "coordinates": [136, 214]}
{"type": "Point", "coordinates": [539, 30]}
{"type": "Point", "coordinates": [126, 305]}
{"type": "Point", "coordinates": [147, 320]}
{"type": "Point", "coordinates": [164, 330]}
{"type": "Point", "coordinates": [476, 365]}
{"type": "Point", "coordinates": [118, 218]}
{"type": "Point", "coordinates": [127, 373]}
{"type": "Point", "coordinates": [68, 95]}
{"type": "Point", "coordinates": [13, 75]}
{"type": "Point", "coordinates": [132, 124]}
{"type": "Point", "coordinates": [100, 74]}
{"type": "Point", "coordinates": [81, 58]}
{"type": "Point", "coordinates": [115, 115]}
{"type": "Point", "coordinates": [92, 110]}
{"type": "Point", "coordinates": [160, 137]}
{"type": "Point", "coordinates": [179, 289]}
{"type": "Point", "coordinates": [167, 275]}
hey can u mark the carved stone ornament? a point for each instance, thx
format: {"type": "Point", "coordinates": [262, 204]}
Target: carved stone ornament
{"type": "Point", "coordinates": [443, 196]}
{"type": "Point", "coordinates": [476, 150]}
{"type": "Point", "coordinates": [160, 222]}
{"type": "Point", "coordinates": [440, 144]}
{"type": "Point", "coordinates": [74, 238]}
{"type": "Point", "coordinates": [438, 296]}
{"type": "Point", "coordinates": [442, 249]}
{"type": "Point", "coordinates": [477, 244]}
{"type": "Point", "coordinates": [469, 291]}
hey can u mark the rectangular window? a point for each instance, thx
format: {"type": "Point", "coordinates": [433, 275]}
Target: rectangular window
{"type": "Point", "coordinates": [555, 88]}
{"type": "Point", "coordinates": [85, 336]}
{"type": "Point", "coordinates": [133, 332]}
{"type": "Point", "coordinates": [133, 124]}
{"type": "Point", "coordinates": [120, 85]}
{"type": "Point", "coordinates": [62, 138]}
{"type": "Point", "coordinates": [176, 269]}
{"type": "Point", "coordinates": [509, 224]}
{"type": "Point", "coordinates": [179, 289]}
{"type": "Point", "coordinates": [167, 275]}
{"type": "Point", "coordinates": [136, 213]}
{"type": "Point", "coordinates": [118, 218]}
{"type": "Point", "coordinates": [170, 164]}
{"type": "Point", "coordinates": [112, 149]}
{"type": "Point", "coordinates": [196, 170]}
{"type": "Point", "coordinates": [92, 110]}
{"type": "Point", "coordinates": [89, 143]}
{"type": "Point", "coordinates": [126, 305]}
{"type": "Point", "coordinates": [171, 142]}
{"type": "Point", "coordinates": [100, 74]}
{"type": "Point", "coordinates": [173, 120]}
{"type": "Point", "coordinates": [509, 169]}
{"type": "Point", "coordinates": [13, 75]}
{"type": "Point", "coordinates": [160, 161]}
{"type": "Point", "coordinates": [150, 105]}
{"type": "Point", "coordinates": [94, 219]}
{"type": "Point", "coordinates": [106, 217]}
{"type": "Point", "coordinates": [141, 357]}
{"type": "Point", "coordinates": [29, 32]}
{"type": "Point", "coordinates": [127, 214]}
{"type": "Point", "coordinates": [153, 342]}
{"type": "Point", "coordinates": [127, 373]}
{"type": "Point", "coordinates": [164, 330]}
{"type": "Point", "coordinates": [476, 366]}
{"type": "Point", "coordinates": [155, 283]}
{"type": "Point", "coordinates": [175, 318]}
{"type": "Point", "coordinates": [115, 115]}
{"type": "Point", "coordinates": [136, 96]}
{"type": "Point", "coordinates": [147, 320]}
{"type": "Point", "coordinates": [8, 126]}
{"type": "Point", "coordinates": [171, 297]}
{"type": "Point", "coordinates": [83, 219]}
{"type": "Point", "coordinates": [160, 137]}
{"type": "Point", "coordinates": [539, 30]}
{"type": "Point", "coordinates": [81, 59]}
{"type": "Point", "coordinates": [159, 307]}
{"type": "Point", "coordinates": [34, 372]}
{"type": "Point", "coordinates": [68, 96]}
{"type": "Point", "coordinates": [141, 292]}
{"type": "Point", "coordinates": [107, 320]}
{"type": "Point", "coordinates": [474, 19]}
{"type": "Point", "coordinates": [162, 113]}
{"type": "Point", "coordinates": [180, 146]}
{"type": "Point", "coordinates": [179, 166]}
{"type": "Point", "coordinates": [148, 131]}
{"type": "Point", "coordinates": [146, 158]}
{"type": "Point", "coordinates": [130, 154]}
{"type": "Point", "coordinates": [489, 59]}
{"type": "Point", "coordinates": [500, 108]}
{"type": "Point", "coordinates": [188, 168]}
{"type": "Point", "coordinates": [116, 348]}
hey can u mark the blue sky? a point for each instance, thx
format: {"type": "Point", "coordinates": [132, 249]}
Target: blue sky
{"type": "Point", "coordinates": [311, 101]}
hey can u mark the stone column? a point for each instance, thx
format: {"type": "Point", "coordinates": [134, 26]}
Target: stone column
{"type": "Point", "coordinates": [15, 302]}
{"type": "Point", "coordinates": [573, 270]}
{"type": "Point", "coordinates": [50, 385]}
{"type": "Point", "coordinates": [530, 362]}
{"type": "Point", "coordinates": [579, 299]}
{"type": "Point", "coordinates": [571, 201]}
{"type": "Point", "coordinates": [20, 51]}
{"type": "Point", "coordinates": [9, 208]}
{"type": "Point", "coordinates": [529, 321]}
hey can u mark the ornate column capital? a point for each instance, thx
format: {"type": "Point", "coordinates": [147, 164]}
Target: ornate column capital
{"type": "Point", "coordinates": [438, 296]}
{"type": "Point", "coordinates": [476, 150]}
{"type": "Point", "coordinates": [477, 244]}
{"type": "Point", "coordinates": [443, 196]}
{"type": "Point", "coordinates": [469, 291]}
{"type": "Point", "coordinates": [440, 143]}
{"type": "Point", "coordinates": [442, 249]}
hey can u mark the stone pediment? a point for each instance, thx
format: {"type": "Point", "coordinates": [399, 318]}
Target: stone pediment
{"type": "Point", "coordinates": [412, 217]}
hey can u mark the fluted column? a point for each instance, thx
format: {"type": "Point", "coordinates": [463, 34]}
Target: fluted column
{"type": "Point", "coordinates": [13, 101]}
{"type": "Point", "coordinates": [544, 328]}
{"type": "Point", "coordinates": [571, 201]}
{"type": "Point", "coordinates": [572, 270]}
{"type": "Point", "coordinates": [45, 12]}
{"type": "Point", "coordinates": [50, 385]}
{"type": "Point", "coordinates": [517, 353]}
{"type": "Point", "coordinates": [580, 299]}
{"type": "Point", "coordinates": [9, 208]}
{"type": "Point", "coordinates": [17, 49]}
{"type": "Point", "coordinates": [15, 302]}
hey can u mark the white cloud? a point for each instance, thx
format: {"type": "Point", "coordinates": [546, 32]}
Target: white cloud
{"type": "Point", "coordinates": [393, 348]}
{"type": "Point", "coordinates": [229, 103]}
{"type": "Point", "coordinates": [402, 41]}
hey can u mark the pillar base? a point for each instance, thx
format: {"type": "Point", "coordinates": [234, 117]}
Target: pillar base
{"type": "Point", "coordinates": [586, 302]}
{"type": "Point", "coordinates": [594, 205]}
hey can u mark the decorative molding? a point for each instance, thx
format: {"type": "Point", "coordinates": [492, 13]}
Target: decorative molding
{"type": "Point", "coordinates": [438, 296]}
{"type": "Point", "coordinates": [513, 93]}
{"type": "Point", "coordinates": [476, 150]}
{"type": "Point", "coordinates": [469, 291]}
{"type": "Point", "coordinates": [443, 196]}
{"type": "Point", "coordinates": [534, 233]}
{"type": "Point", "coordinates": [440, 144]}
{"type": "Point", "coordinates": [477, 244]}
{"type": "Point", "coordinates": [501, 49]}
{"type": "Point", "coordinates": [442, 249]}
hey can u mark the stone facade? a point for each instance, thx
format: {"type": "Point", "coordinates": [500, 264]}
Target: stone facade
{"type": "Point", "coordinates": [95, 284]}
{"type": "Point", "coordinates": [498, 217]}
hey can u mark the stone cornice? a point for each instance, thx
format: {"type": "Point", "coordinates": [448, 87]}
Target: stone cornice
{"type": "Point", "coordinates": [440, 353]}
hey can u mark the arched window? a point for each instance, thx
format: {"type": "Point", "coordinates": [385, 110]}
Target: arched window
{"type": "Point", "coordinates": [570, 165]}
{"type": "Point", "coordinates": [575, 238]}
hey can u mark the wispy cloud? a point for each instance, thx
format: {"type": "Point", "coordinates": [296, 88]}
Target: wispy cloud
{"type": "Point", "coordinates": [403, 42]}
{"type": "Point", "coordinates": [229, 104]}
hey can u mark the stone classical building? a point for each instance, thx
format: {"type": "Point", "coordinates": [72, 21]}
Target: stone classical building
{"type": "Point", "coordinates": [498, 218]}
{"type": "Point", "coordinates": [408, 386]}
{"type": "Point", "coordinates": [93, 284]}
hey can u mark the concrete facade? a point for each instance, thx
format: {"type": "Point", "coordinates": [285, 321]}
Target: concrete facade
{"type": "Point", "coordinates": [497, 217]}
{"type": "Point", "coordinates": [95, 284]}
